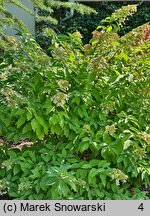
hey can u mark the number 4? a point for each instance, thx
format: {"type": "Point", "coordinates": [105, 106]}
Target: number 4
{"type": "Point", "coordinates": [141, 207]}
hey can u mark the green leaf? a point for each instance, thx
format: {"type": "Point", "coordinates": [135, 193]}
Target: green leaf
{"type": "Point", "coordinates": [37, 188]}
{"type": "Point", "coordinates": [126, 144]}
{"type": "Point", "coordinates": [103, 164]}
{"type": "Point", "coordinates": [107, 138]}
{"type": "Point", "coordinates": [134, 129]}
{"type": "Point", "coordinates": [41, 121]}
{"type": "Point", "coordinates": [104, 152]}
{"type": "Point", "coordinates": [123, 55]}
{"type": "Point", "coordinates": [40, 132]}
{"type": "Point", "coordinates": [120, 159]}
{"type": "Point", "coordinates": [44, 182]}
{"type": "Point", "coordinates": [38, 196]}
{"type": "Point", "coordinates": [53, 120]}
{"type": "Point", "coordinates": [12, 154]}
{"type": "Point", "coordinates": [72, 185]}
{"type": "Point", "coordinates": [19, 112]}
{"type": "Point", "coordinates": [91, 177]}
{"type": "Point", "coordinates": [100, 27]}
{"type": "Point", "coordinates": [61, 119]}
{"type": "Point", "coordinates": [56, 129]}
{"type": "Point", "coordinates": [46, 157]}
{"type": "Point", "coordinates": [126, 161]}
{"type": "Point", "coordinates": [94, 162]}
{"type": "Point", "coordinates": [87, 166]}
{"type": "Point", "coordinates": [21, 121]}
{"type": "Point", "coordinates": [34, 124]}
{"type": "Point", "coordinates": [36, 172]}
{"type": "Point", "coordinates": [103, 178]}
{"type": "Point", "coordinates": [26, 128]}
{"type": "Point", "coordinates": [95, 146]}
{"type": "Point", "coordinates": [16, 169]}
{"type": "Point", "coordinates": [83, 146]}
{"type": "Point", "coordinates": [93, 172]}
{"type": "Point", "coordinates": [114, 188]}
{"type": "Point", "coordinates": [63, 188]}
{"type": "Point", "coordinates": [109, 29]}
{"type": "Point", "coordinates": [25, 168]}
{"type": "Point", "coordinates": [64, 153]}
{"type": "Point", "coordinates": [29, 116]}
{"type": "Point", "coordinates": [76, 166]}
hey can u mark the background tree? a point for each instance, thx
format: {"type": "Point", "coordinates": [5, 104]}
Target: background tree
{"type": "Point", "coordinates": [46, 5]}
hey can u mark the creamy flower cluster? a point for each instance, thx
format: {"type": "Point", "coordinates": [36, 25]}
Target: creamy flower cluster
{"type": "Point", "coordinates": [146, 137]}
{"type": "Point", "coordinates": [63, 84]}
{"type": "Point", "coordinates": [118, 175]}
{"type": "Point", "coordinates": [24, 186]}
{"type": "Point", "coordinates": [3, 186]}
{"type": "Point", "coordinates": [10, 96]}
{"type": "Point", "coordinates": [7, 164]}
{"type": "Point", "coordinates": [110, 129]}
{"type": "Point", "coordinates": [59, 99]}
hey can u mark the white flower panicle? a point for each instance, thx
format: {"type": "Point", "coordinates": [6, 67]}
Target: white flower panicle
{"type": "Point", "coordinates": [63, 84]}
{"type": "Point", "coordinates": [110, 129]}
{"type": "Point", "coordinates": [59, 99]}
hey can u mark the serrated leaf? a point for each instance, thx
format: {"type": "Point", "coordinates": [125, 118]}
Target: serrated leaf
{"type": "Point", "coordinates": [40, 120]}
{"type": "Point", "coordinates": [34, 124]}
{"type": "Point", "coordinates": [63, 188]}
{"type": "Point", "coordinates": [64, 153]}
{"type": "Point", "coordinates": [53, 120]}
{"type": "Point", "coordinates": [93, 172]}
{"type": "Point", "coordinates": [123, 55]}
{"type": "Point", "coordinates": [61, 119]}
{"type": "Point", "coordinates": [12, 154]}
{"type": "Point", "coordinates": [19, 112]}
{"type": "Point", "coordinates": [42, 123]}
{"type": "Point", "coordinates": [46, 157]}
{"type": "Point", "coordinates": [102, 163]}
{"type": "Point", "coordinates": [87, 166]}
{"type": "Point", "coordinates": [109, 29]}
{"type": "Point", "coordinates": [37, 188]}
{"type": "Point", "coordinates": [103, 178]}
{"type": "Point", "coordinates": [76, 100]}
{"type": "Point", "coordinates": [83, 146]}
{"type": "Point", "coordinates": [44, 182]}
{"type": "Point", "coordinates": [126, 144]}
{"type": "Point", "coordinates": [126, 162]}
{"type": "Point", "coordinates": [107, 138]}
{"type": "Point", "coordinates": [26, 128]}
{"type": "Point", "coordinates": [92, 176]}
{"type": "Point", "coordinates": [94, 162]}
{"type": "Point", "coordinates": [29, 116]}
{"type": "Point", "coordinates": [120, 159]}
{"type": "Point", "coordinates": [56, 129]}
{"type": "Point", "coordinates": [40, 132]}
{"type": "Point", "coordinates": [72, 185]}
{"type": "Point", "coordinates": [21, 121]}
{"type": "Point", "coordinates": [16, 169]}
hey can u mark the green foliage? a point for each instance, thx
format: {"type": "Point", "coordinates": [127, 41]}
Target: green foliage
{"type": "Point", "coordinates": [44, 172]}
{"type": "Point", "coordinates": [86, 109]}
